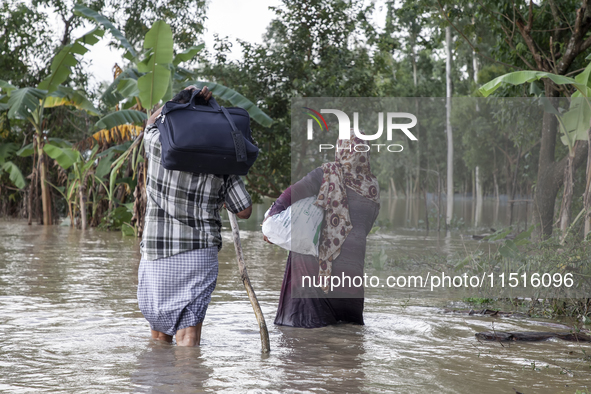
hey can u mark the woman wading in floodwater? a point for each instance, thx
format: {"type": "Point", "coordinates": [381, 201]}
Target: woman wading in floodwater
{"type": "Point", "coordinates": [349, 194]}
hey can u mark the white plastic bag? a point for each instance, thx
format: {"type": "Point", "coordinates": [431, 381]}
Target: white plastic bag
{"type": "Point", "coordinates": [297, 228]}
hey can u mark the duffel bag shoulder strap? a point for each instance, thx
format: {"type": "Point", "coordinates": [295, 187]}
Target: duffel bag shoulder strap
{"type": "Point", "coordinates": [237, 136]}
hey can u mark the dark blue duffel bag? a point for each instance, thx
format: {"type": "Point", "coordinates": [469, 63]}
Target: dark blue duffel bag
{"type": "Point", "coordinates": [206, 138]}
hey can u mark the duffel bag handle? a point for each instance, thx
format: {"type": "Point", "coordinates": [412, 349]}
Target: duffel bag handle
{"type": "Point", "coordinates": [237, 137]}
{"type": "Point", "coordinates": [211, 103]}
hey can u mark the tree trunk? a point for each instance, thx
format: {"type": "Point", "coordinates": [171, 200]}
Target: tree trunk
{"type": "Point", "coordinates": [550, 173]}
{"type": "Point", "coordinates": [413, 58]}
{"type": "Point", "coordinates": [438, 200]}
{"type": "Point", "coordinates": [479, 190]}
{"type": "Point", "coordinates": [587, 195]}
{"type": "Point", "coordinates": [426, 205]}
{"type": "Point", "coordinates": [32, 185]}
{"type": "Point", "coordinates": [495, 182]}
{"type": "Point", "coordinates": [82, 197]}
{"type": "Point", "coordinates": [567, 198]}
{"type": "Point", "coordinates": [450, 146]}
{"type": "Point", "coordinates": [547, 184]}
{"type": "Point", "coordinates": [45, 196]}
{"type": "Point", "coordinates": [417, 146]}
{"type": "Point", "coordinates": [393, 186]}
{"type": "Point", "coordinates": [139, 205]}
{"type": "Point", "coordinates": [479, 197]}
{"type": "Point", "coordinates": [473, 174]}
{"type": "Point", "coordinates": [514, 186]}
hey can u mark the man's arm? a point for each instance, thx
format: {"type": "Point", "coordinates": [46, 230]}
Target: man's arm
{"type": "Point", "coordinates": [237, 199]}
{"type": "Point", "coordinates": [245, 214]}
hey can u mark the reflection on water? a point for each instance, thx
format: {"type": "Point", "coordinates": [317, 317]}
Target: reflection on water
{"type": "Point", "coordinates": [69, 322]}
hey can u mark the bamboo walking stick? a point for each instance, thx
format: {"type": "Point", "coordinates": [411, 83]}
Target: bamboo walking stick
{"type": "Point", "coordinates": [246, 281]}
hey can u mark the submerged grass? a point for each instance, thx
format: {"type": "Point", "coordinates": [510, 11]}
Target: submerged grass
{"type": "Point", "coordinates": [508, 252]}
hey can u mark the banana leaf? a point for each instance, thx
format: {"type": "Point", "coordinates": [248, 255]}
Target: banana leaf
{"type": "Point", "coordinates": [23, 102]}
{"type": "Point", "coordinates": [521, 77]}
{"type": "Point", "coordinates": [128, 87]}
{"type": "Point", "coordinates": [187, 54]}
{"type": "Point", "coordinates": [86, 12]}
{"type": "Point", "coordinates": [236, 99]}
{"type": "Point", "coordinates": [26, 150]}
{"type": "Point", "coordinates": [15, 174]}
{"type": "Point", "coordinates": [7, 87]}
{"type": "Point", "coordinates": [6, 150]}
{"type": "Point", "coordinates": [118, 118]}
{"type": "Point", "coordinates": [154, 84]}
{"type": "Point", "coordinates": [111, 97]}
{"type": "Point", "coordinates": [68, 96]}
{"type": "Point", "coordinates": [65, 157]}
{"type": "Point", "coordinates": [62, 63]}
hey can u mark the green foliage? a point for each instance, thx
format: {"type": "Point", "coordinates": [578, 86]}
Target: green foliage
{"type": "Point", "coordinates": [7, 166]}
{"type": "Point", "coordinates": [379, 259]}
{"type": "Point", "coordinates": [106, 159]}
{"type": "Point", "coordinates": [62, 63]}
{"type": "Point", "coordinates": [187, 54]}
{"type": "Point", "coordinates": [65, 157]}
{"type": "Point", "coordinates": [185, 17]}
{"type": "Point", "coordinates": [111, 95]}
{"type": "Point", "coordinates": [128, 87]}
{"type": "Point", "coordinates": [574, 123]}
{"type": "Point", "coordinates": [67, 96]}
{"type": "Point", "coordinates": [15, 174]}
{"type": "Point", "coordinates": [117, 118]}
{"type": "Point", "coordinates": [236, 99]}
{"type": "Point", "coordinates": [311, 49]}
{"type": "Point", "coordinates": [86, 12]}
{"type": "Point", "coordinates": [155, 82]}
{"type": "Point", "coordinates": [22, 29]}
{"type": "Point", "coordinates": [118, 219]}
{"type": "Point", "coordinates": [477, 300]}
{"type": "Point", "coordinates": [24, 102]}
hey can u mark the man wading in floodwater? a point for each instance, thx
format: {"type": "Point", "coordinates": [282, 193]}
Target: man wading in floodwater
{"type": "Point", "coordinates": [181, 239]}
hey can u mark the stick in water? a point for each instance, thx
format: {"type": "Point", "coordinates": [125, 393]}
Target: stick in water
{"type": "Point", "coordinates": [246, 281]}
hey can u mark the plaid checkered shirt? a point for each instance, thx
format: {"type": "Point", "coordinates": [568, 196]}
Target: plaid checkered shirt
{"type": "Point", "coordinates": [183, 208]}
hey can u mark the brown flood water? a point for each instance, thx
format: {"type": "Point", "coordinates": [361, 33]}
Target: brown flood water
{"type": "Point", "coordinates": [69, 323]}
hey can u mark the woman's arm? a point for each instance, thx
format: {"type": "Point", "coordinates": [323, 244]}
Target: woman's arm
{"type": "Point", "coordinates": [308, 186]}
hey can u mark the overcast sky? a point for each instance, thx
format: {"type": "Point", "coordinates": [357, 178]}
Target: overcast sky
{"type": "Point", "coordinates": [233, 18]}
{"type": "Point", "coordinates": [242, 19]}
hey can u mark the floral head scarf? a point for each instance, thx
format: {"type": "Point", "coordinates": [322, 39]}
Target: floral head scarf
{"type": "Point", "coordinates": [350, 169]}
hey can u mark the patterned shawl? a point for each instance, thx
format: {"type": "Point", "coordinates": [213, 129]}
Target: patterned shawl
{"type": "Point", "coordinates": [350, 169]}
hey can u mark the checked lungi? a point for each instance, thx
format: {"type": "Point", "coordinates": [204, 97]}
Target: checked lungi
{"type": "Point", "coordinates": [174, 292]}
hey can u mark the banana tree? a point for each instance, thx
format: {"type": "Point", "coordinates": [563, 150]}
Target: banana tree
{"type": "Point", "coordinates": [156, 73]}
{"type": "Point", "coordinates": [574, 125]}
{"type": "Point", "coordinates": [152, 76]}
{"type": "Point", "coordinates": [82, 168]}
{"type": "Point", "coordinates": [29, 103]}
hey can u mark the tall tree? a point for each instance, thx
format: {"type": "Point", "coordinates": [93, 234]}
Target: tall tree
{"type": "Point", "coordinates": [450, 140]}
{"type": "Point", "coordinates": [543, 36]}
